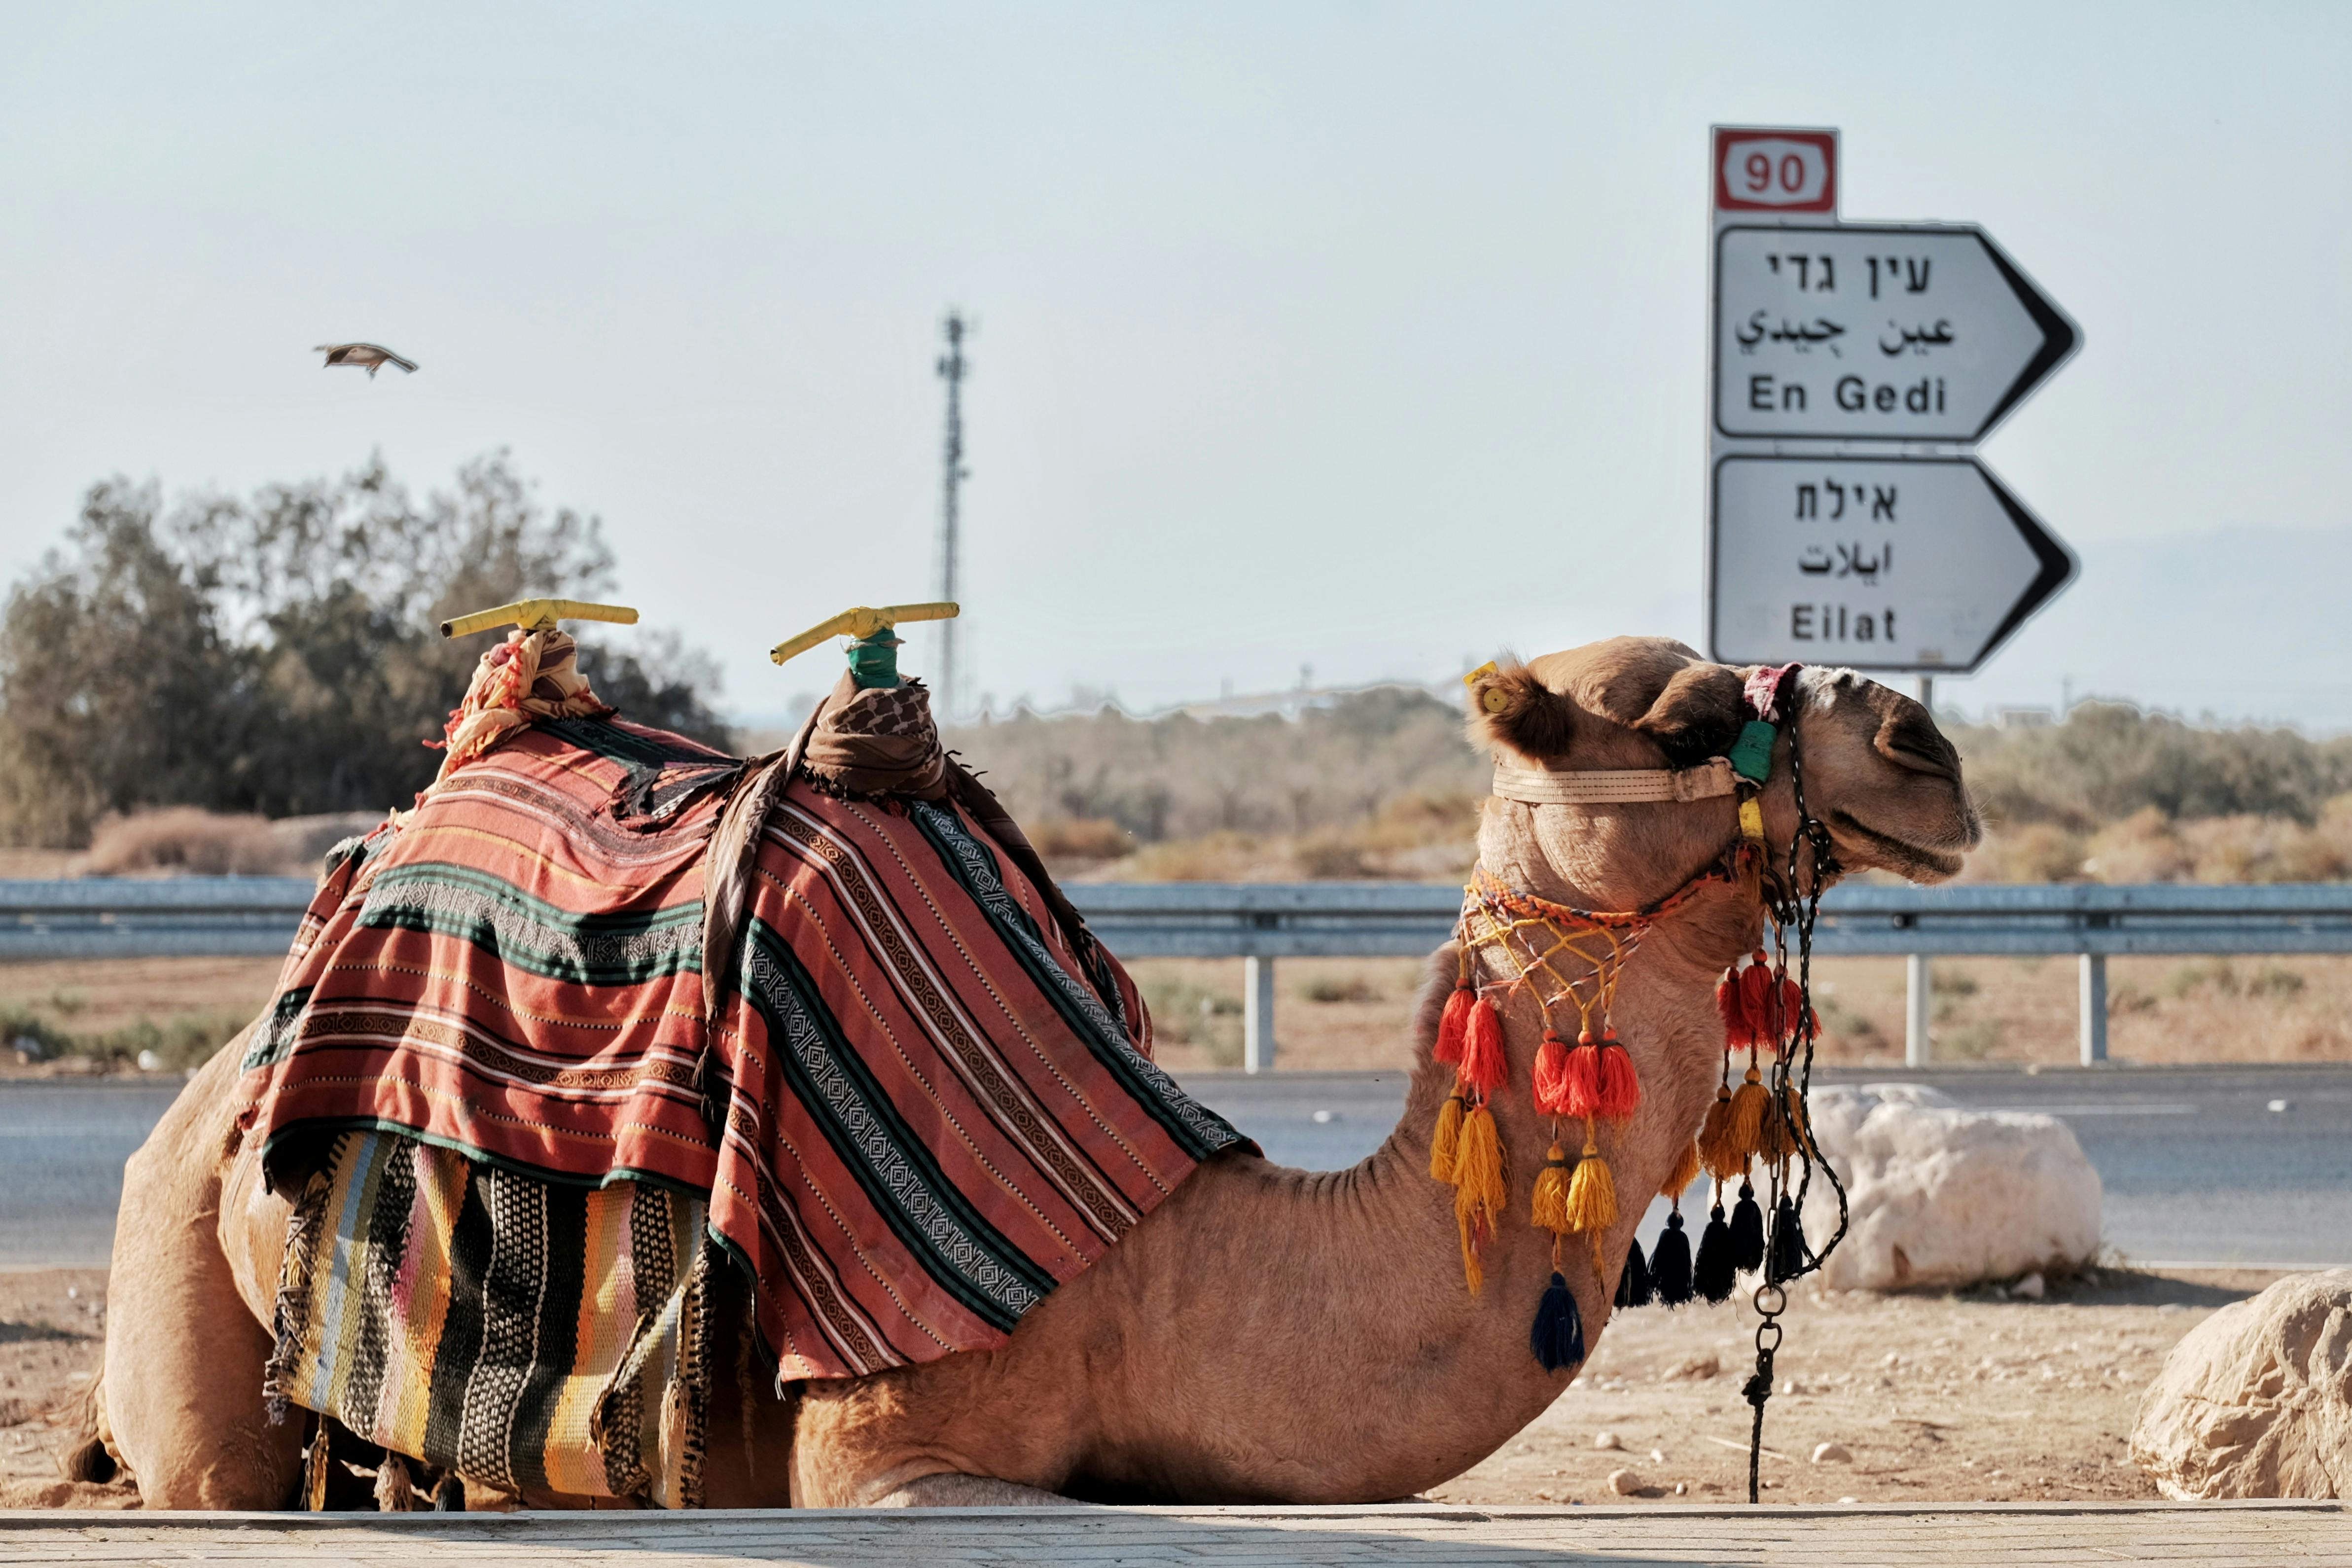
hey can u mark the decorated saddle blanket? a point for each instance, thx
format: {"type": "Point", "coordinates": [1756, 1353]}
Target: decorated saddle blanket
{"type": "Point", "coordinates": [924, 1097]}
{"type": "Point", "coordinates": [537, 1335]}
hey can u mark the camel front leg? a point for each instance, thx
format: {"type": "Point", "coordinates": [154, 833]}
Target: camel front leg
{"type": "Point", "coordinates": [185, 1355]}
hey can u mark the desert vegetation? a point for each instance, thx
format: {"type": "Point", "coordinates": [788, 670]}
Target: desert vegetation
{"type": "Point", "coordinates": [279, 654]}
{"type": "Point", "coordinates": [1381, 785]}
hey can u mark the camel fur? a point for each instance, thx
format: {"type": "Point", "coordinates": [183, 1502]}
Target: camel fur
{"type": "Point", "coordinates": [1266, 1335]}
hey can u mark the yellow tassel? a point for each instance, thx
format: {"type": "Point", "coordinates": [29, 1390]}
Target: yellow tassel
{"type": "Point", "coordinates": [1550, 1210]}
{"type": "Point", "coordinates": [1748, 1103]}
{"type": "Point", "coordinates": [1685, 1173]}
{"type": "Point", "coordinates": [1478, 1195]}
{"type": "Point", "coordinates": [1718, 1156]}
{"type": "Point", "coordinates": [1592, 1194]}
{"type": "Point", "coordinates": [1446, 1139]}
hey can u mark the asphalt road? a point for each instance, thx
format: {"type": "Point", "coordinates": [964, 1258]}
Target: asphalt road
{"type": "Point", "coordinates": [2196, 1165]}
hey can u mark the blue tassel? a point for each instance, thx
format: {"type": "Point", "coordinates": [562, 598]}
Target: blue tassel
{"type": "Point", "coordinates": [1633, 1286]}
{"type": "Point", "coordinates": [1558, 1337]}
{"type": "Point", "coordinates": [1669, 1263]}
{"type": "Point", "coordinates": [1747, 1232]}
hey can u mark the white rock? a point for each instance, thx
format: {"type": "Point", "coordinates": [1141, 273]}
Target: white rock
{"type": "Point", "coordinates": [2031, 1287]}
{"type": "Point", "coordinates": [2256, 1400]}
{"type": "Point", "coordinates": [1624, 1483]}
{"type": "Point", "coordinates": [1833, 1454]}
{"type": "Point", "coordinates": [1606, 1440]}
{"type": "Point", "coordinates": [1657, 1455]}
{"type": "Point", "coordinates": [1944, 1196]}
{"type": "Point", "coordinates": [150, 1062]}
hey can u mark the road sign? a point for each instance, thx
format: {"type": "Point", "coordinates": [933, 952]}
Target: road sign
{"type": "Point", "coordinates": [1909, 562]}
{"type": "Point", "coordinates": [1846, 363]}
{"type": "Point", "coordinates": [1875, 333]}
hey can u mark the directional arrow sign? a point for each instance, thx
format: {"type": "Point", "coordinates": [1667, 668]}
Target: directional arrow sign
{"type": "Point", "coordinates": [1913, 564]}
{"type": "Point", "coordinates": [1899, 332]}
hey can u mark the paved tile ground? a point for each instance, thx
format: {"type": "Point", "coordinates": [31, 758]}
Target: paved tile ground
{"type": "Point", "coordinates": [2250, 1534]}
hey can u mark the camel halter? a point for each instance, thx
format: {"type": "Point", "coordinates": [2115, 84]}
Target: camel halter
{"type": "Point", "coordinates": [1568, 959]}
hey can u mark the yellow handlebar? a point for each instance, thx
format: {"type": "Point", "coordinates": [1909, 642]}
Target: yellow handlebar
{"type": "Point", "coordinates": [538, 615]}
{"type": "Point", "coordinates": [862, 622]}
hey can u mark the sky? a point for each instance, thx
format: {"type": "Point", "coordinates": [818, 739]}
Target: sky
{"type": "Point", "coordinates": [1360, 339]}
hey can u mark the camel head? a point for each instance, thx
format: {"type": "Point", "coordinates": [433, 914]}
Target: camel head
{"type": "Point", "coordinates": [1876, 772]}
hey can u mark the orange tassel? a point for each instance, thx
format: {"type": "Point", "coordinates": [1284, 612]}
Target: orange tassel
{"type": "Point", "coordinates": [1582, 1095]}
{"type": "Point", "coordinates": [1592, 1194]}
{"type": "Point", "coordinates": [1685, 1171]}
{"type": "Point", "coordinates": [1551, 1076]}
{"type": "Point", "coordinates": [1478, 1190]}
{"type": "Point", "coordinates": [1718, 1154]}
{"type": "Point", "coordinates": [1550, 1210]}
{"type": "Point", "coordinates": [1455, 1023]}
{"type": "Point", "coordinates": [1446, 1139]}
{"type": "Point", "coordinates": [1620, 1087]}
{"type": "Point", "coordinates": [1484, 1068]}
{"type": "Point", "coordinates": [1749, 1104]}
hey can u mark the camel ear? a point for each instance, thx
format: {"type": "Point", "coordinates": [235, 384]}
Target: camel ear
{"type": "Point", "coordinates": [1509, 707]}
{"type": "Point", "coordinates": [1698, 714]}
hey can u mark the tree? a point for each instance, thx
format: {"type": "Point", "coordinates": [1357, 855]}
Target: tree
{"type": "Point", "coordinates": [281, 653]}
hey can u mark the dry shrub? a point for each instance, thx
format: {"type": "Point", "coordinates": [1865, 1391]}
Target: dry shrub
{"type": "Point", "coordinates": [2142, 848]}
{"type": "Point", "coordinates": [185, 840]}
{"type": "Point", "coordinates": [1080, 838]}
{"type": "Point", "coordinates": [1212, 858]}
{"type": "Point", "coordinates": [2259, 849]}
{"type": "Point", "coordinates": [2036, 852]}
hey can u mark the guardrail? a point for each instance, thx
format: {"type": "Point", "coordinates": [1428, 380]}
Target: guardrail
{"type": "Point", "coordinates": [1262, 923]}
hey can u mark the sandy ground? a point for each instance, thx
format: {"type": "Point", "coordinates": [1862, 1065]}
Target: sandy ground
{"type": "Point", "coordinates": [1339, 1014]}
{"type": "Point", "coordinates": [52, 1339]}
{"type": "Point", "coordinates": [1937, 1399]}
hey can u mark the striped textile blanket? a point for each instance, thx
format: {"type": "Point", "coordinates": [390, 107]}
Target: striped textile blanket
{"type": "Point", "coordinates": [925, 1106]}
{"type": "Point", "coordinates": [540, 1335]}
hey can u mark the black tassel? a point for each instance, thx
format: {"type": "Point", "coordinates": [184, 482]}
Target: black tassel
{"type": "Point", "coordinates": [1669, 1263]}
{"type": "Point", "coordinates": [1558, 1337]}
{"type": "Point", "coordinates": [1790, 1253]}
{"type": "Point", "coordinates": [1633, 1286]}
{"type": "Point", "coordinates": [1714, 1274]}
{"type": "Point", "coordinates": [1747, 1232]}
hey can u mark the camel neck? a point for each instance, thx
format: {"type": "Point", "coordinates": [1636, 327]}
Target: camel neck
{"type": "Point", "coordinates": [1456, 1373]}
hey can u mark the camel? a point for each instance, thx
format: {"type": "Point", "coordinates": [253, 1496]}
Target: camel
{"type": "Point", "coordinates": [1266, 1335]}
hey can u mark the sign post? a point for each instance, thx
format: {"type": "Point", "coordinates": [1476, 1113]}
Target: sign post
{"type": "Point", "coordinates": [1853, 370]}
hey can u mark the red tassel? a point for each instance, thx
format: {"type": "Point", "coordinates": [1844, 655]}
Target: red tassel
{"type": "Point", "coordinates": [1756, 998]}
{"type": "Point", "coordinates": [1455, 1024]}
{"type": "Point", "coordinates": [1583, 1087]}
{"type": "Point", "coordinates": [1798, 1016]}
{"type": "Point", "coordinates": [1551, 1076]}
{"type": "Point", "coordinates": [1735, 1016]}
{"type": "Point", "coordinates": [1483, 1066]}
{"type": "Point", "coordinates": [1620, 1086]}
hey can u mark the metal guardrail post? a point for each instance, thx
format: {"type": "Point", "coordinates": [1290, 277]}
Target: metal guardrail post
{"type": "Point", "coordinates": [1917, 1050]}
{"type": "Point", "coordinates": [1257, 1014]}
{"type": "Point", "coordinates": [2095, 1009]}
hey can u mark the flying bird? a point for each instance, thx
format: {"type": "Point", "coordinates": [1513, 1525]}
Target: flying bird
{"type": "Point", "coordinates": [370, 357]}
